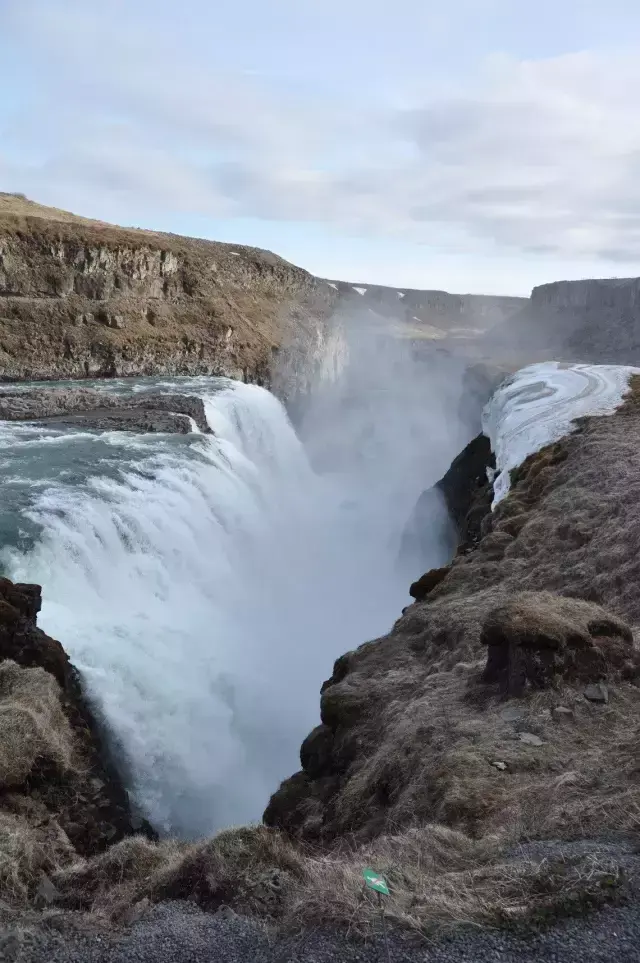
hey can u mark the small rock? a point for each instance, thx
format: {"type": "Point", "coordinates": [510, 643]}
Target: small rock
{"type": "Point", "coordinates": [499, 765]}
{"type": "Point", "coordinates": [134, 912]}
{"type": "Point", "coordinates": [530, 739]}
{"type": "Point", "coordinates": [226, 913]}
{"type": "Point", "coordinates": [512, 714]}
{"type": "Point", "coordinates": [562, 714]}
{"type": "Point", "coordinates": [46, 893]}
{"type": "Point", "coordinates": [597, 692]}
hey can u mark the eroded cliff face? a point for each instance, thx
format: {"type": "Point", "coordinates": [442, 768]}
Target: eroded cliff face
{"type": "Point", "coordinates": [592, 320]}
{"type": "Point", "coordinates": [437, 314]}
{"type": "Point", "coordinates": [84, 299]}
{"type": "Point", "coordinates": [81, 298]}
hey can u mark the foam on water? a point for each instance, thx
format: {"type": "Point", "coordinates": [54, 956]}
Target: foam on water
{"type": "Point", "coordinates": [540, 404]}
{"type": "Point", "coordinates": [204, 584]}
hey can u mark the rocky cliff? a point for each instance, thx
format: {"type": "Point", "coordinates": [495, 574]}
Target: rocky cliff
{"type": "Point", "coordinates": [591, 320]}
{"type": "Point", "coordinates": [436, 315]}
{"type": "Point", "coordinates": [60, 795]}
{"type": "Point", "coordinates": [80, 298]}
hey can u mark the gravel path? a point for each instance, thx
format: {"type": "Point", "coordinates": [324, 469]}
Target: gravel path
{"type": "Point", "coordinates": [176, 932]}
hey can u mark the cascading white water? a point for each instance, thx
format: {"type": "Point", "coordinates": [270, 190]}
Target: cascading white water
{"type": "Point", "coordinates": [205, 584]}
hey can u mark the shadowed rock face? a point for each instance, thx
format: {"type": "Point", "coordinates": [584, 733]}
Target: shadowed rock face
{"type": "Point", "coordinates": [596, 320]}
{"type": "Point", "coordinates": [88, 408]}
{"type": "Point", "coordinates": [70, 779]}
{"type": "Point", "coordinates": [466, 494]}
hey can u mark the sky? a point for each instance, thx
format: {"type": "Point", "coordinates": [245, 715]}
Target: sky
{"type": "Point", "coordinates": [471, 145]}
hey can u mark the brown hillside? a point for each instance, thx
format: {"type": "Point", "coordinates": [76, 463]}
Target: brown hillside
{"type": "Point", "coordinates": [82, 298]}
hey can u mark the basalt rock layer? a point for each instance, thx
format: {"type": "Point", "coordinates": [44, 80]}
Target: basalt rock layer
{"type": "Point", "coordinates": [89, 408]}
{"type": "Point", "coordinates": [81, 298]}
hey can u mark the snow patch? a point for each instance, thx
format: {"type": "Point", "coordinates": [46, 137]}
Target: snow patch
{"type": "Point", "coordinates": [400, 294]}
{"type": "Point", "coordinates": [539, 405]}
{"type": "Point", "coordinates": [235, 253]}
{"type": "Point", "coordinates": [360, 290]}
{"type": "Point", "coordinates": [332, 285]}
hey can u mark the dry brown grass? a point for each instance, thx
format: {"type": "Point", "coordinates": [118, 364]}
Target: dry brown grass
{"type": "Point", "coordinates": [438, 878]}
{"type": "Point", "coordinates": [34, 731]}
{"type": "Point", "coordinates": [26, 853]}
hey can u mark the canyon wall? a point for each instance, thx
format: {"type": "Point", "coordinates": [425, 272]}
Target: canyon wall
{"type": "Point", "coordinates": [432, 314]}
{"type": "Point", "coordinates": [80, 298]}
{"type": "Point", "coordinates": [590, 320]}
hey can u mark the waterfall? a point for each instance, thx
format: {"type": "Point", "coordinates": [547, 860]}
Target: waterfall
{"type": "Point", "coordinates": [204, 584]}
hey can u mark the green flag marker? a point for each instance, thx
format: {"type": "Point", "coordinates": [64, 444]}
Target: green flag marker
{"type": "Point", "coordinates": [375, 881]}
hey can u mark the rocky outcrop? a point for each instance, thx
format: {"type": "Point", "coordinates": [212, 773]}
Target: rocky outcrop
{"type": "Point", "coordinates": [466, 493]}
{"type": "Point", "coordinates": [590, 321]}
{"type": "Point", "coordinates": [89, 408]}
{"type": "Point", "coordinates": [467, 490]}
{"type": "Point", "coordinates": [542, 608]}
{"type": "Point", "coordinates": [538, 637]}
{"type": "Point", "coordinates": [81, 298]}
{"type": "Point", "coordinates": [55, 770]}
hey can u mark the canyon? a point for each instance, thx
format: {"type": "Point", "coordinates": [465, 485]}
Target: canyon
{"type": "Point", "coordinates": [476, 746]}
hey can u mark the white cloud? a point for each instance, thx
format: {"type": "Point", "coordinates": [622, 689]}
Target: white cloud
{"type": "Point", "coordinates": [528, 156]}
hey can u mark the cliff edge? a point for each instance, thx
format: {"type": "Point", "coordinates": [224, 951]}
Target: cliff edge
{"type": "Point", "coordinates": [81, 298]}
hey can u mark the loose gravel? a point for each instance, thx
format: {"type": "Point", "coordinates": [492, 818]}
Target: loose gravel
{"type": "Point", "coordinates": [178, 932]}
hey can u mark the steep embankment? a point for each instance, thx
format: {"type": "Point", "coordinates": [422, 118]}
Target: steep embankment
{"type": "Point", "coordinates": [60, 796]}
{"type": "Point", "coordinates": [413, 725]}
{"type": "Point", "coordinates": [82, 298]}
{"type": "Point", "coordinates": [590, 320]}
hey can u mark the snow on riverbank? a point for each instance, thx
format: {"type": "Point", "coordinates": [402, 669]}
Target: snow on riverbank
{"type": "Point", "coordinates": [540, 404]}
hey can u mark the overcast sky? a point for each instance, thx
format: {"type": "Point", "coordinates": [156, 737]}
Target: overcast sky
{"type": "Point", "coordinates": [472, 145]}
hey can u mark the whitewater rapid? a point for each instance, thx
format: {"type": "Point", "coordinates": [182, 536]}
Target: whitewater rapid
{"type": "Point", "coordinates": [204, 584]}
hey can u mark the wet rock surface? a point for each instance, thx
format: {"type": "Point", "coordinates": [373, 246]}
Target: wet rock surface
{"type": "Point", "coordinates": [90, 408]}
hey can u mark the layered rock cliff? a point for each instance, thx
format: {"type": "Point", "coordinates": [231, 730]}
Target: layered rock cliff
{"type": "Point", "coordinates": [591, 320]}
{"type": "Point", "coordinates": [436, 315]}
{"type": "Point", "coordinates": [80, 298]}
